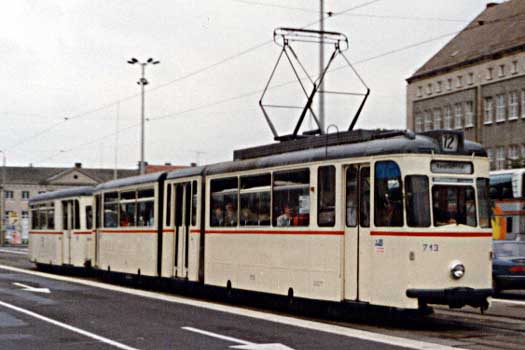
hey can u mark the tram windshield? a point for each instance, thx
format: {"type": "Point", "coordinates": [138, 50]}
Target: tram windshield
{"type": "Point", "coordinates": [454, 205]}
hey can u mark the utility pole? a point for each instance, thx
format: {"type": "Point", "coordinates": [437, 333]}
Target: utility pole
{"type": "Point", "coordinates": [321, 67]}
{"type": "Point", "coordinates": [142, 82]}
{"type": "Point", "coordinates": [115, 171]}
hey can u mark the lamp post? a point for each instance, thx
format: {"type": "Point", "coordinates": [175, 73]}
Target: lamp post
{"type": "Point", "coordinates": [2, 201]}
{"type": "Point", "coordinates": [142, 82]}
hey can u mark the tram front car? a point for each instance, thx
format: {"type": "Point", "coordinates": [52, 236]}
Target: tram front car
{"type": "Point", "coordinates": [445, 244]}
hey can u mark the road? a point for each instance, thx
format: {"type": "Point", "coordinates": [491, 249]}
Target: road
{"type": "Point", "coordinates": [55, 311]}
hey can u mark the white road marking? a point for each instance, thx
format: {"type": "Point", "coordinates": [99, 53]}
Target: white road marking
{"type": "Point", "coordinates": [246, 345]}
{"type": "Point", "coordinates": [316, 326]}
{"type": "Point", "coordinates": [13, 251]}
{"type": "Point", "coordinates": [32, 289]}
{"type": "Point", "coordinates": [68, 327]}
{"type": "Point", "coordinates": [507, 301]}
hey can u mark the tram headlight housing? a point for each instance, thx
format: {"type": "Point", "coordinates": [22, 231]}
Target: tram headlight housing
{"type": "Point", "coordinates": [457, 269]}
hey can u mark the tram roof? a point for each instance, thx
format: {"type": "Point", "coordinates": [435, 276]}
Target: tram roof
{"type": "Point", "coordinates": [130, 181]}
{"type": "Point", "coordinates": [186, 172]}
{"type": "Point", "coordinates": [402, 144]}
{"type": "Point", "coordinates": [65, 193]}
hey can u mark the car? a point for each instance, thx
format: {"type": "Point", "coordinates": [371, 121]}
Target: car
{"type": "Point", "coordinates": [508, 265]}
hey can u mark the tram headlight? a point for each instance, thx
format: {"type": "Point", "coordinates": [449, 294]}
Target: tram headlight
{"type": "Point", "coordinates": [457, 269]}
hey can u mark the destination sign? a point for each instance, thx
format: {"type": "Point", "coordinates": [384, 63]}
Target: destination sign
{"type": "Point", "coordinates": [449, 167]}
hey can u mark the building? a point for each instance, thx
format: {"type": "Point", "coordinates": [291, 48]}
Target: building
{"type": "Point", "coordinates": [476, 83]}
{"type": "Point", "coordinates": [21, 183]}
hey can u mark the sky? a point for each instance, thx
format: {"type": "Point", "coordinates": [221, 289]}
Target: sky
{"type": "Point", "coordinates": [70, 96]}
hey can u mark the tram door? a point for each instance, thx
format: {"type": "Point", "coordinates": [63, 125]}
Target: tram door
{"type": "Point", "coordinates": [67, 228]}
{"type": "Point", "coordinates": [357, 229]}
{"type": "Point", "coordinates": [182, 227]}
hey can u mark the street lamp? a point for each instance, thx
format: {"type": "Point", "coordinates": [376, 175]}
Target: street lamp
{"type": "Point", "coordinates": [2, 201]}
{"type": "Point", "coordinates": [142, 82]}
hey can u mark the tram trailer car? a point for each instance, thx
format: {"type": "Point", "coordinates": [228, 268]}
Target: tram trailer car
{"type": "Point", "coordinates": [388, 218]}
{"type": "Point", "coordinates": [61, 228]}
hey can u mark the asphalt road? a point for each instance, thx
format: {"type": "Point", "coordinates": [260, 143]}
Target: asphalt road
{"type": "Point", "coordinates": [87, 314]}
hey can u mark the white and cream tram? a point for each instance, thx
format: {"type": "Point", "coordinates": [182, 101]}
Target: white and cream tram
{"type": "Point", "coordinates": [387, 218]}
{"type": "Point", "coordinates": [61, 228]}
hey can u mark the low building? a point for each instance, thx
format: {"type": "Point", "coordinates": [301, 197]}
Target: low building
{"type": "Point", "coordinates": [476, 83]}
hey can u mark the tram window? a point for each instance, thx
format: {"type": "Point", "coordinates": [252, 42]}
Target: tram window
{"type": "Point", "coordinates": [453, 205]}
{"type": "Point", "coordinates": [42, 218]}
{"type": "Point", "coordinates": [34, 218]}
{"type": "Point", "coordinates": [98, 217]}
{"type": "Point", "coordinates": [65, 216]}
{"type": "Point", "coordinates": [482, 184]}
{"type": "Point", "coordinates": [326, 196]}
{"type": "Point", "coordinates": [148, 193]}
{"type": "Point", "coordinates": [76, 217]}
{"type": "Point", "coordinates": [127, 208]}
{"type": "Point", "coordinates": [51, 218]}
{"type": "Point", "coordinates": [417, 201]}
{"type": "Point", "coordinates": [388, 199]}
{"type": "Point", "coordinates": [194, 202]}
{"type": "Point", "coordinates": [168, 205]}
{"type": "Point", "coordinates": [291, 198]}
{"type": "Point", "coordinates": [351, 196]}
{"type": "Point", "coordinates": [89, 217]}
{"type": "Point", "coordinates": [145, 214]}
{"type": "Point", "coordinates": [111, 209]}
{"type": "Point", "coordinates": [364, 197]}
{"type": "Point", "coordinates": [255, 200]}
{"type": "Point", "coordinates": [224, 202]}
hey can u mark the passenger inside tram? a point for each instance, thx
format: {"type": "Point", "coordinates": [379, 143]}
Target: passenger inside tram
{"type": "Point", "coordinates": [230, 219]}
{"type": "Point", "coordinates": [286, 218]}
{"type": "Point", "coordinates": [217, 218]}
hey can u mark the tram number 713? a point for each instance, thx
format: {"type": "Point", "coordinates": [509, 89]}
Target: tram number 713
{"type": "Point", "coordinates": [430, 247]}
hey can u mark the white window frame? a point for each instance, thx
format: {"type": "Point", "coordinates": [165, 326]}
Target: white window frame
{"type": "Point", "coordinates": [514, 67]}
{"type": "Point", "coordinates": [9, 194]}
{"type": "Point", "coordinates": [488, 110]}
{"type": "Point", "coordinates": [449, 84]}
{"type": "Point", "coordinates": [437, 118]}
{"type": "Point", "coordinates": [458, 116]}
{"type": "Point", "coordinates": [500, 157]}
{"type": "Point", "coordinates": [513, 152]}
{"type": "Point", "coordinates": [439, 86]}
{"type": "Point", "coordinates": [513, 105]}
{"type": "Point", "coordinates": [490, 72]}
{"type": "Point", "coordinates": [469, 114]}
{"type": "Point", "coordinates": [500, 108]}
{"type": "Point", "coordinates": [427, 126]}
{"type": "Point", "coordinates": [470, 80]}
{"type": "Point", "coordinates": [26, 194]}
{"type": "Point", "coordinates": [492, 161]}
{"type": "Point", "coordinates": [501, 71]}
{"type": "Point", "coordinates": [459, 81]}
{"type": "Point", "coordinates": [447, 117]}
{"type": "Point", "coordinates": [418, 123]}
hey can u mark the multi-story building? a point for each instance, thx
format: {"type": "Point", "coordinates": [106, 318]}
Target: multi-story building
{"type": "Point", "coordinates": [476, 83]}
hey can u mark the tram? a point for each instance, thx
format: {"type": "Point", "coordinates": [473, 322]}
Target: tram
{"type": "Point", "coordinates": [381, 217]}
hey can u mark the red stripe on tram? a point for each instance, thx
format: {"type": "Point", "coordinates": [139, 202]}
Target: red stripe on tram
{"type": "Point", "coordinates": [431, 234]}
{"type": "Point", "coordinates": [128, 231]}
{"type": "Point", "coordinates": [82, 232]}
{"type": "Point", "coordinates": [275, 232]}
{"type": "Point", "coordinates": [46, 232]}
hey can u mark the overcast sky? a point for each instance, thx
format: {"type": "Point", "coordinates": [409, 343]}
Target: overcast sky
{"type": "Point", "coordinates": [67, 59]}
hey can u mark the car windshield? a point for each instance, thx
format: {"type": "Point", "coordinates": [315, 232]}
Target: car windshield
{"type": "Point", "coordinates": [509, 249]}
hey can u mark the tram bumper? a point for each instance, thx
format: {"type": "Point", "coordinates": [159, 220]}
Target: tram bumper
{"type": "Point", "coordinates": [453, 297]}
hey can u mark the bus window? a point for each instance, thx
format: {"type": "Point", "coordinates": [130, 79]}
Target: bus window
{"type": "Point", "coordinates": [291, 198]}
{"type": "Point", "coordinates": [483, 202]}
{"type": "Point", "coordinates": [417, 201]}
{"type": "Point", "coordinates": [453, 205]}
{"type": "Point", "coordinates": [255, 200]}
{"type": "Point", "coordinates": [326, 196]}
{"type": "Point", "coordinates": [388, 199]}
{"type": "Point", "coordinates": [224, 193]}
{"type": "Point", "coordinates": [501, 186]}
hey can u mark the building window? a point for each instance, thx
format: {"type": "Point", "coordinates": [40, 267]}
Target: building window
{"type": "Point", "coordinates": [489, 73]}
{"type": "Point", "coordinates": [523, 103]}
{"type": "Point", "coordinates": [469, 114]}
{"type": "Point", "coordinates": [501, 70]}
{"type": "Point", "coordinates": [449, 84]}
{"type": "Point", "coordinates": [429, 89]}
{"type": "Point", "coordinates": [437, 118]}
{"type": "Point", "coordinates": [419, 91]}
{"type": "Point", "coordinates": [419, 123]}
{"type": "Point", "coordinates": [470, 78]}
{"type": "Point", "coordinates": [460, 81]}
{"type": "Point", "coordinates": [500, 108]}
{"type": "Point", "coordinates": [514, 67]}
{"type": "Point", "coordinates": [428, 121]}
{"type": "Point", "coordinates": [447, 123]}
{"type": "Point", "coordinates": [458, 116]}
{"type": "Point", "coordinates": [513, 152]}
{"type": "Point", "coordinates": [490, 155]}
{"type": "Point", "coordinates": [488, 110]}
{"type": "Point", "coordinates": [25, 194]}
{"type": "Point", "coordinates": [9, 194]}
{"type": "Point", "coordinates": [25, 214]}
{"type": "Point", "coordinates": [439, 86]}
{"type": "Point", "coordinates": [513, 105]}
{"type": "Point", "coordinates": [500, 157]}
